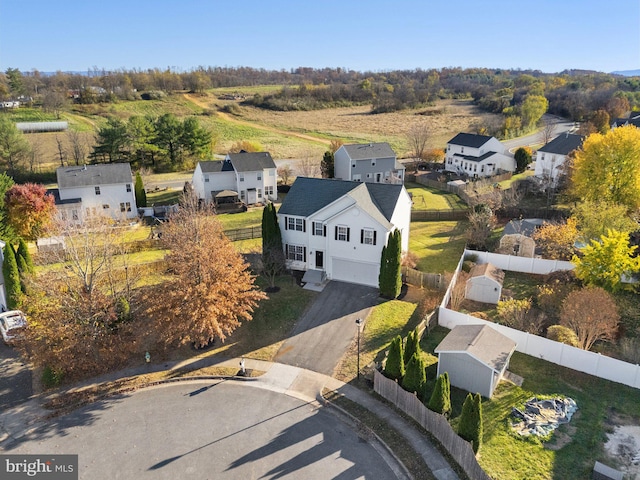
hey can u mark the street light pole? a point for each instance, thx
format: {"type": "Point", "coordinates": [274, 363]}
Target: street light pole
{"type": "Point", "coordinates": [358, 323]}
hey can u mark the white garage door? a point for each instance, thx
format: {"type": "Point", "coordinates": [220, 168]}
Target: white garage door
{"type": "Point", "coordinates": [355, 272]}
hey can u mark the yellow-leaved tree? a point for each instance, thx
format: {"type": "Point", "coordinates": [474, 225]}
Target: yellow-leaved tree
{"type": "Point", "coordinates": [607, 168]}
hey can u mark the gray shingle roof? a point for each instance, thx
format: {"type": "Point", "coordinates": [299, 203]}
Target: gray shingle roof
{"type": "Point", "coordinates": [215, 166]}
{"type": "Point", "coordinates": [489, 270]}
{"type": "Point", "coordinates": [363, 151]}
{"type": "Point", "coordinates": [563, 144]}
{"type": "Point", "coordinates": [470, 140]}
{"type": "Point", "coordinates": [470, 158]}
{"type": "Point", "coordinates": [525, 226]}
{"type": "Point", "coordinates": [251, 161]}
{"type": "Point", "coordinates": [308, 195]}
{"type": "Point", "coordinates": [89, 175]}
{"type": "Point", "coordinates": [480, 341]}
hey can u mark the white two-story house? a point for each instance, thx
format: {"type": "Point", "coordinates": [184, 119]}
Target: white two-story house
{"type": "Point", "coordinates": [252, 175]}
{"type": "Point", "coordinates": [551, 158]}
{"type": "Point", "coordinates": [368, 162]}
{"type": "Point", "coordinates": [104, 189]}
{"type": "Point", "coordinates": [339, 227]}
{"type": "Point", "coordinates": [477, 156]}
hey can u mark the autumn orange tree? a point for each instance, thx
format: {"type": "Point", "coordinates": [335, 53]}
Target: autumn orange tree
{"type": "Point", "coordinates": [556, 240]}
{"type": "Point", "coordinates": [210, 289]}
{"type": "Point", "coordinates": [592, 314]}
{"type": "Point", "coordinates": [29, 209]}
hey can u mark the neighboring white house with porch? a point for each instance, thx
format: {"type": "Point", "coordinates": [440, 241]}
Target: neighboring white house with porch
{"type": "Point", "coordinates": [368, 162]}
{"type": "Point", "coordinates": [252, 175]}
{"type": "Point", "coordinates": [104, 189]}
{"type": "Point", "coordinates": [477, 156]}
{"type": "Point", "coordinates": [338, 227]}
{"type": "Point", "coordinates": [551, 158]}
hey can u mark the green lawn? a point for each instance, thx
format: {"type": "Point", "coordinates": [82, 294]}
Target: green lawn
{"type": "Point", "coordinates": [438, 245]}
{"type": "Point", "coordinates": [250, 218]}
{"type": "Point", "coordinates": [574, 447]}
{"type": "Point", "coordinates": [521, 176]}
{"type": "Point", "coordinates": [425, 198]}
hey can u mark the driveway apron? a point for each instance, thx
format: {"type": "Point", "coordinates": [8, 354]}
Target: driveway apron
{"type": "Point", "coordinates": [325, 331]}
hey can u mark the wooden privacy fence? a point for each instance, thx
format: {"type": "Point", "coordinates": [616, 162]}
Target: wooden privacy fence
{"type": "Point", "coordinates": [244, 233]}
{"type": "Point", "coordinates": [459, 449]}
{"type": "Point", "coordinates": [438, 215]}
{"type": "Point", "coordinates": [422, 279]}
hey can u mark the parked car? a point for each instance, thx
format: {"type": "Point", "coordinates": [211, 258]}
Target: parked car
{"type": "Point", "coordinates": [12, 324]}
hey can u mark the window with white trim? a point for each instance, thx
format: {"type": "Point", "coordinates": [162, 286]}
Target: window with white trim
{"type": "Point", "coordinates": [295, 252]}
{"type": "Point", "coordinates": [259, 193]}
{"type": "Point", "coordinates": [318, 229]}
{"type": "Point", "coordinates": [357, 178]}
{"type": "Point", "coordinates": [242, 195]}
{"type": "Point", "coordinates": [105, 206]}
{"type": "Point", "coordinates": [125, 206]}
{"type": "Point", "coordinates": [128, 188]}
{"type": "Point", "coordinates": [241, 176]}
{"type": "Point", "coordinates": [368, 236]}
{"type": "Point", "coordinates": [295, 224]}
{"type": "Point", "coordinates": [97, 190]}
{"type": "Point", "coordinates": [206, 179]}
{"type": "Point", "coordinates": [260, 176]}
{"type": "Point", "coordinates": [342, 233]}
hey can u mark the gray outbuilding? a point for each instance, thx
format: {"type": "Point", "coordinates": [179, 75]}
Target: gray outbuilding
{"type": "Point", "coordinates": [476, 357]}
{"type": "Point", "coordinates": [485, 284]}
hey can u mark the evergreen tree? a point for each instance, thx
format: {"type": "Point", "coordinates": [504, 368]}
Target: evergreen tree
{"type": "Point", "coordinates": [23, 252]}
{"type": "Point", "coordinates": [415, 378]}
{"type": "Point", "coordinates": [478, 427]}
{"type": "Point", "coordinates": [470, 426]}
{"type": "Point", "coordinates": [141, 195]}
{"type": "Point", "coordinates": [273, 259]}
{"type": "Point", "coordinates": [11, 278]}
{"type": "Point", "coordinates": [440, 401]}
{"type": "Point", "coordinates": [390, 278]}
{"type": "Point", "coordinates": [413, 346]}
{"type": "Point", "coordinates": [394, 366]}
{"type": "Point", "coordinates": [327, 165]}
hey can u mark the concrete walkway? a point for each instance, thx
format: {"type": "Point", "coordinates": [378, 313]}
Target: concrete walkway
{"type": "Point", "coordinates": [18, 422]}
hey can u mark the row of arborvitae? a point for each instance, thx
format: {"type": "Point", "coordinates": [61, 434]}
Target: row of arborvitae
{"type": "Point", "coordinates": [16, 265]}
{"type": "Point", "coordinates": [406, 365]}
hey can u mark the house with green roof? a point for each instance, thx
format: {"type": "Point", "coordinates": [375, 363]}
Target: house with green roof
{"type": "Point", "coordinates": [337, 228]}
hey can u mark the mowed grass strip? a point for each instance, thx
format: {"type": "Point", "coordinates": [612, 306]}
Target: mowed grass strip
{"type": "Point", "coordinates": [425, 198]}
{"type": "Point", "coordinates": [438, 245]}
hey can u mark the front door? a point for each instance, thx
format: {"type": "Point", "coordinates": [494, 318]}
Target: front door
{"type": "Point", "coordinates": [319, 259]}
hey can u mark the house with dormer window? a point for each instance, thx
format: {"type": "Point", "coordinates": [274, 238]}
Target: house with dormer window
{"type": "Point", "coordinates": [477, 156]}
{"type": "Point", "coordinates": [250, 175]}
{"type": "Point", "coordinates": [338, 228]}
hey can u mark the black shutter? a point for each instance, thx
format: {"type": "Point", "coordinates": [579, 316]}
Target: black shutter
{"type": "Point", "coordinates": [286, 251]}
{"type": "Point", "coordinates": [348, 232]}
{"type": "Point", "coordinates": [304, 225]}
{"type": "Point", "coordinates": [313, 228]}
{"type": "Point", "coordinates": [324, 230]}
{"type": "Point", "coordinates": [362, 235]}
{"type": "Point", "coordinates": [286, 223]}
{"type": "Point", "coordinates": [374, 237]}
{"type": "Point", "coordinates": [336, 233]}
{"type": "Point", "coordinates": [304, 254]}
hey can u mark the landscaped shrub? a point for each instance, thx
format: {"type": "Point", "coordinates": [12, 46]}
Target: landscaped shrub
{"type": "Point", "coordinates": [394, 366]}
{"type": "Point", "coordinates": [470, 426]}
{"type": "Point", "coordinates": [23, 251]}
{"type": "Point", "coordinates": [440, 401]}
{"type": "Point", "coordinates": [412, 346]}
{"type": "Point", "coordinates": [11, 274]}
{"type": "Point", "coordinates": [563, 334]}
{"type": "Point", "coordinates": [390, 278]}
{"type": "Point", "coordinates": [415, 376]}
{"type": "Point", "coordinates": [50, 377]}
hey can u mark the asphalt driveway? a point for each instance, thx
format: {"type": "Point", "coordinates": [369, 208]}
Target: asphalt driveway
{"type": "Point", "coordinates": [325, 331]}
{"type": "Point", "coordinates": [15, 378]}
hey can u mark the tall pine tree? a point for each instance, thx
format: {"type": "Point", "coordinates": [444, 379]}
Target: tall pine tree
{"type": "Point", "coordinates": [390, 278]}
{"type": "Point", "coordinates": [141, 194]}
{"type": "Point", "coordinates": [326, 166]}
{"type": "Point", "coordinates": [470, 425]}
{"type": "Point", "coordinates": [11, 278]}
{"type": "Point", "coordinates": [440, 401]}
{"type": "Point", "coordinates": [23, 252]}
{"type": "Point", "coordinates": [273, 260]}
{"type": "Point", "coordinates": [413, 346]}
{"type": "Point", "coordinates": [415, 377]}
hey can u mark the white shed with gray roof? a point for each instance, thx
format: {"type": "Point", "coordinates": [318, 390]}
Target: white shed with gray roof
{"type": "Point", "coordinates": [475, 357]}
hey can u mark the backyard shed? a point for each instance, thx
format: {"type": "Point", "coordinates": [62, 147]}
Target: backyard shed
{"type": "Point", "coordinates": [475, 357]}
{"type": "Point", "coordinates": [485, 284]}
{"type": "Point", "coordinates": [517, 237]}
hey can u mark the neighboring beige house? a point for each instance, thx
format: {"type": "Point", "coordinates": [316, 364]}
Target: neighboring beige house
{"type": "Point", "coordinates": [475, 357]}
{"type": "Point", "coordinates": [517, 237]}
{"type": "Point", "coordinates": [485, 284]}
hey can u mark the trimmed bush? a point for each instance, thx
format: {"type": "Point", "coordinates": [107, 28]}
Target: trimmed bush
{"type": "Point", "coordinates": [11, 278]}
{"type": "Point", "coordinates": [390, 277]}
{"type": "Point", "coordinates": [440, 401]}
{"type": "Point", "coordinates": [563, 334]}
{"type": "Point", "coordinates": [141, 194]}
{"type": "Point", "coordinates": [415, 377]}
{"type": "Point", "coordinates": [23, 251]}
{"type": "Point", "coordinates": [412, 347]}
{"type": "Point", "coordinates": [394, 366]}
{"type": "Point", "coordinates": [470, 426]}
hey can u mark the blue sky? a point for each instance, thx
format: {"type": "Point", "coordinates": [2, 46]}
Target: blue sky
{"type": "Point", "coordinates": [548, 35]}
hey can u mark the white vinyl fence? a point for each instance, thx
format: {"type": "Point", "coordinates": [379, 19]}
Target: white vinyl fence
{"type": "Point", "coordinates": [555, 352]}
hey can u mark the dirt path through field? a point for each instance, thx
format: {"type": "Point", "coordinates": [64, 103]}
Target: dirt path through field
{"type": "Point", "coordinates": [229, 118]}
